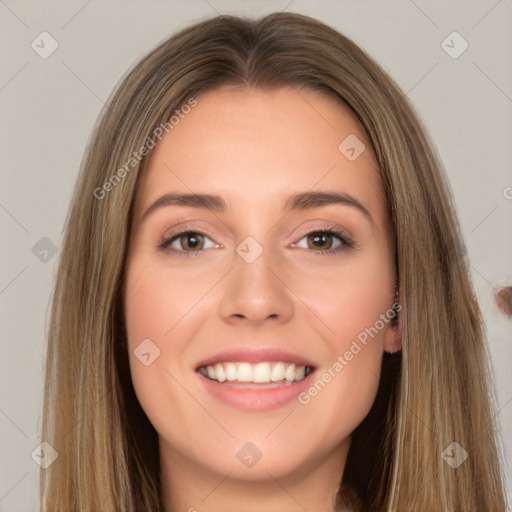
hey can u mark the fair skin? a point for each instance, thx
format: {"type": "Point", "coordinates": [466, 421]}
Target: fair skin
{"type": "Point", "coordinates": [253, 147]}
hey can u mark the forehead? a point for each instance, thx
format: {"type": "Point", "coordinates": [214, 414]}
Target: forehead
{"type": "Point", "coordinates": [256, 145]}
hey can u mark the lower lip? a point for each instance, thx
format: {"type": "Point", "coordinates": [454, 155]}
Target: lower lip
{"type": "Point", "coordinates": [264, 399]}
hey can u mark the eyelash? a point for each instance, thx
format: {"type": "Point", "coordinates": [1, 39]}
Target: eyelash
{"type": "Point", "coordinates": [165, 242]}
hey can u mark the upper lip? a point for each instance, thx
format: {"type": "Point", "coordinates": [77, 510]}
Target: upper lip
{"type": "Point", "coordinates": [255, 355]}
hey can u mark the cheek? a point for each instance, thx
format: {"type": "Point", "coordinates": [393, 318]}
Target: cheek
{"type": "Point", "coordinates": [159, 307]}
{"type": "Point", "coordinates": [353, 304]}
{"type": "Point", "coordinates": [157, 300]}
{"type": "Point", "coordinates": [155, 305]}
{"type": "Point", "coordinates": [352, 297]}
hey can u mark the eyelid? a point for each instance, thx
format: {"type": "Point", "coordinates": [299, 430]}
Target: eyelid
{"type": "Point", "coordinates": [324, 226]}
{"type": "Point", "coordinates": [187, 226]}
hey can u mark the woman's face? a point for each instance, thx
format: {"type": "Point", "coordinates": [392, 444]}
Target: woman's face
{"type": "Point", "coordinates": [257, 280]}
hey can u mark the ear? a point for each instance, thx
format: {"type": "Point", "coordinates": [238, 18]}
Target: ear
{"type": "Point", "coordinates": [392, 339]}
{"type": "Point", "coordinates": [392, 336]}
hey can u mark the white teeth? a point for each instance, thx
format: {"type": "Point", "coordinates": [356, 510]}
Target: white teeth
{"type": "Point", "coordinates": [244, 372]}
{"type": "Point", "coordinates": [277, 372]}
{"type": "Point", "coordinates": [220, 374]}
{"type": "Point", "coordinates": [289, 375]}
{"type": "Point", "coordinates": [259, 373]}
{"type": "Point", "coordinates": [300, 372]}
{"type": "Point", "coordinates": [230, 371]}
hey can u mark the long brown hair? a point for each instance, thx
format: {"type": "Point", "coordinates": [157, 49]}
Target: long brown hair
{"type": "Point", "coordinates": [434, 392]}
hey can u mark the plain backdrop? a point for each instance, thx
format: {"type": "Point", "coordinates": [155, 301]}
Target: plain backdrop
{"type": "Point", "coordinates": [50, 105]}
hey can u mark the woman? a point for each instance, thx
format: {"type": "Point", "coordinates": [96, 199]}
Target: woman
{"type": "Point", "coordinates": [206, 351]}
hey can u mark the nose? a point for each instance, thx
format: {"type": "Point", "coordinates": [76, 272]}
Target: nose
{"type": "Point", "coordinates": [257, 291]}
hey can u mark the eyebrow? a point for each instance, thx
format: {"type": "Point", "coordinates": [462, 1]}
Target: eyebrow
{"type": "Point", "coordinates": [296, 201]}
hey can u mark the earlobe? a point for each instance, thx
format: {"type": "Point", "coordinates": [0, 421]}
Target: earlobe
{"type": "Point", "coordinates": [392, 339]}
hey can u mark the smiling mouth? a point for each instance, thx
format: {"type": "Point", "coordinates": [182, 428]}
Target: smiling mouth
{"type": "Point", "coordinates": [251, 375]}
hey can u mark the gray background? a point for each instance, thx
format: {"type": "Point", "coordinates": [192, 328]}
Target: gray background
{"type": "Point", "coordinates": [49, 107]}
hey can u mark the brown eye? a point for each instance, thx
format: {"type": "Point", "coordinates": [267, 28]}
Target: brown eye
{"type": "Point", "coordinates": [192, 242]}
{"type": "Point", "coordinates": [319, 240]}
